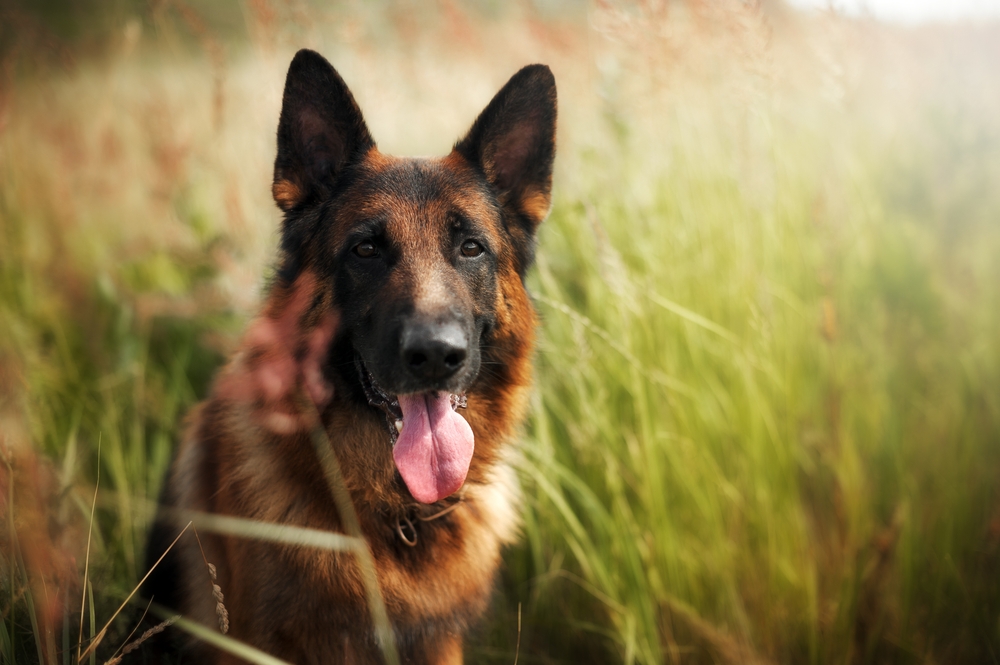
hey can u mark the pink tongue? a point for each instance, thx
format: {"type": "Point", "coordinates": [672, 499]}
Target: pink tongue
{"type": "Point", "coordinates": [434, 450]}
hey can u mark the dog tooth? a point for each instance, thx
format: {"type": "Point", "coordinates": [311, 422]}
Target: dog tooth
{"type": "Point", "coordinates": [399, 425]}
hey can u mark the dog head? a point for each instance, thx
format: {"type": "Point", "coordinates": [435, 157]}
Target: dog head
{"type": "Point", "coordinates": [420, 254]}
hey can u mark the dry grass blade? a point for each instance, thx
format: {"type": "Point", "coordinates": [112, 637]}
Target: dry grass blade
{"type": "Point", "coordinates": [103, 632]}
{"type": "Point", "coordinates": [13, 541]}
{"type": "Point", "coordinates": [137, 624]}
{"type": "Point", "coordinates": [517, 647]}
{"type": "Point", "coordinates": [220, 606]}
{"type": "Point", "coordinates": [86, 565]}
{"type": "Point", "coordinates": [132, 646]}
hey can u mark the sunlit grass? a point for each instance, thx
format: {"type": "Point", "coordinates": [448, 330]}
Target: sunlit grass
{"type": "Point", "coordinates": [768, 409]}
{"type": "Point", "coordinates": [765, 412]}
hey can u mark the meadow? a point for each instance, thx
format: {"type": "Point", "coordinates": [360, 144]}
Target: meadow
{"type": "Point", "coordinates": [766, 427]}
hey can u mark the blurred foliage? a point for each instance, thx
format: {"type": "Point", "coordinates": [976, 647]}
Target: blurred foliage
{"type": "Point", "coordinates": [767, 414]}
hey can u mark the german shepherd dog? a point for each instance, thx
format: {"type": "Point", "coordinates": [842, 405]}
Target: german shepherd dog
{"type": "Point", "coordinates": [398, 324]}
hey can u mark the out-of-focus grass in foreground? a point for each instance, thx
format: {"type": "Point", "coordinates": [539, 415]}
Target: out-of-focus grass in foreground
{"type": "Point", "coordinates": [767, 425]}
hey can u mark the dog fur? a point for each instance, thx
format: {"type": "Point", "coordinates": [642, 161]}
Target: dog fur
{"type": "Point", "coordinates": [375, 251]}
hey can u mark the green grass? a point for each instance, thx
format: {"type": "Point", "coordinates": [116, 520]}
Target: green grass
{"type": "Point", "coordinates": [767, 418]}
{"type": "Point", "coordinates": [700, 445]}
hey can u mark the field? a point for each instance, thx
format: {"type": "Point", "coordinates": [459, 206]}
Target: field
{"type": "Point", "coordinates": [767, 420]}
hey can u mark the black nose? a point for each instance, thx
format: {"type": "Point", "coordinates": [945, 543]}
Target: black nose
{"type": "Point", "coordinates": [434, 352]}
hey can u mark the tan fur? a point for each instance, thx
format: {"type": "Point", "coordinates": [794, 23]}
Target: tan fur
{"type": "Point", "coordinates": [535, 204]}
{"type": "Point", "coordinates": [286, 194]}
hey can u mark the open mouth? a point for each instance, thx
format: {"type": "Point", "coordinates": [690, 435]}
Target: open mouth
{"type": "Point", "coordinates": [432, 444]}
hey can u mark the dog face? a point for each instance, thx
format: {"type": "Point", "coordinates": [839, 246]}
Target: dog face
{"type": "Point", "coordinates": [419, 254]}
{"type": "Point", "coordinates": [417, 271]}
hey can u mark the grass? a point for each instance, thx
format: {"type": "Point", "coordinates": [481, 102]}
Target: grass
{"type": "Point", "coordinates": [768, 409]}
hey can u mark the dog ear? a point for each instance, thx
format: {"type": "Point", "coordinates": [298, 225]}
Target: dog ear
{"type": "Point", "coordinates": [513, 142]}
{"type": "Point", "coordinates": [321, 131]}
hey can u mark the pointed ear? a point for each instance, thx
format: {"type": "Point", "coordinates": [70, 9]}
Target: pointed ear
{"type": "Point", "coordinates": [513, 142]}
{"type": "Point", "coordinates": [321, 131]}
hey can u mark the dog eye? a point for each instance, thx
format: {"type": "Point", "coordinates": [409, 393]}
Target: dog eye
{"type": "Point", "coordinates": [471, 248]}
{"type": "Point", "coordinates": [366, 250]}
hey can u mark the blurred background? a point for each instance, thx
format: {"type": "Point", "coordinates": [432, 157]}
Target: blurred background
{"type": "Point", "coordinates": [767, 420]}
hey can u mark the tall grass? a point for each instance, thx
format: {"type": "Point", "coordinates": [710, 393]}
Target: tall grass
{"type": "Point", "coordinates": [768, 409]}
{"type": "Point", "coordinates": [767, 418]}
